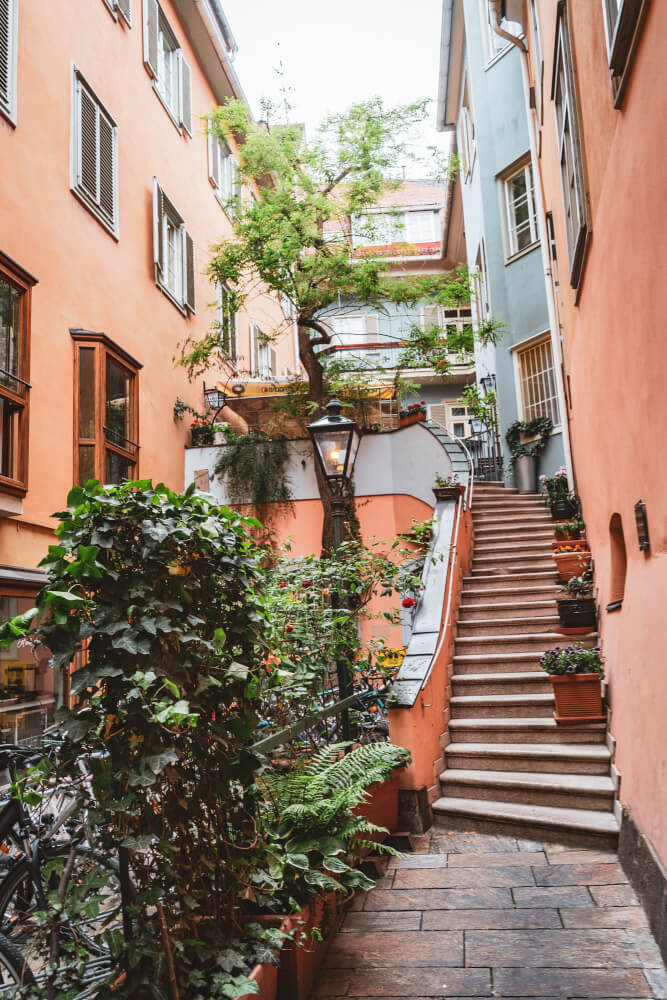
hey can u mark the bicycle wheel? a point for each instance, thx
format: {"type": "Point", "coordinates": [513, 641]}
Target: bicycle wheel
{"type": "Point", "coordinates": [14, 970]}
{"type": "Point", "coordinates": [94, 885]}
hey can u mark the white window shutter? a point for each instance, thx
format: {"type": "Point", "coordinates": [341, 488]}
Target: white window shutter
{"type": "Point", "coordinates": [372, 326]}
{"type": "Point", "coordinates": [158, 228]}
{"type": "Point", "coordinates": [189, 279]}
{"type": "Point", "coordinates": [151, 20]}
{"type": "Point", "coordinates": [430, 316]}
{"type": "Point", "coordinates": [273, 361]}
{"type": "Point", "coordinates": [214, 160]}
{"type": "Point", "coordinates": [186, 93]}
{"type": "Point", "coordinates": [254, 360]}
{"type": "Point", "coordinates": [126, 10]}
{"type": "Point", "coordinates": [437, 413]}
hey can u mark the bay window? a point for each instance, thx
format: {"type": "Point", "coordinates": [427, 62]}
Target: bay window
{"type": "Point", "coordinates": [15, 291]}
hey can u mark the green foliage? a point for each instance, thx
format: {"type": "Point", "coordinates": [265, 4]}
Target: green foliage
{"type": "Point", "coordinates": [576, 659]}
{"type": "Point", "coordinates": [253, 467]}
{"type": "Point", "coordinates": [539, 427]}
{"type": "Point", "coordinates": [481, 404]}
{"type": "Point", "coordinates": [316, 835]}
{"type": "Point", "coordinates": [580, 586]}
{"type": "Point", "coordinates": [557, 488]}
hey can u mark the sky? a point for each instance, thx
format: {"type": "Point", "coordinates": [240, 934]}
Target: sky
{"type": "Point", "coordinates": [336, 53]}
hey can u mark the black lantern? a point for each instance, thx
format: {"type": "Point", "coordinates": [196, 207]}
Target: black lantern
{"type": "Point", "coordinates": [215, 398]}
{"type": "Point", "coordinates": [642, 526]}
{"type": "Point", "coordinates": [335, 441]}
{"type": "Point", "coordinates": [488, 384]}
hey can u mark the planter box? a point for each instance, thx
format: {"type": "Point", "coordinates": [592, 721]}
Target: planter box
{"type": "Point", "coordinates": [578, 698]}
{"type": "Point", "coordinates": [300, 962]}
{"type": "Point", "coordinates": [381, 807]}
{"type": "Point", "coordinates": [411, 419]}
{"type": "Point", "coordinates": [566, 536]}
{"type": "Point", "coordinates": [448, 492]}
{"type": "Point", "coordinates": [578, 613]}
{"type": "Point", "coordinates": [571, 564]}
{"type": "Point", "coordinates": [201, 437]}
{"type": "Point", "coordinates": [266, 977]}
{"type": "Point", "coordinates": [562, 510]}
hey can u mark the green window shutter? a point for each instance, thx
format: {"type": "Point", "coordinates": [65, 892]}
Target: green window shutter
{"type": "Point", "coordinates": [186, 93]}
{"type": "Point", "coordinates": [151, 20]}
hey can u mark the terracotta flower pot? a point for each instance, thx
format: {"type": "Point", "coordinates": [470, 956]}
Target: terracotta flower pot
{"type": "Point", "coordinates": [412, 418]}
{"type": "Point", "coordinates": [381, 807]}
{"type": "Point", "coordinates": [300, 960]}
{"type": "Point", "coordinates": [571, 564]}
{"type": "Point", "coordinates": [578, 698]}
{"type": "Point", "coordinates": [566, 536]}
{"type": "Point", "coordinates": [266, 977]}
{"type": "Point", "coordinates": [448, 492]}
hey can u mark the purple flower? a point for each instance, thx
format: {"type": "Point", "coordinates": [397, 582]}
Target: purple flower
{"type": "Point", "coordinates": [571, 668]}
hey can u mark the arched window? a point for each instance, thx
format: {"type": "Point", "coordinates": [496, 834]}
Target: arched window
{"type": "Point", "coordinates": [619, 563]}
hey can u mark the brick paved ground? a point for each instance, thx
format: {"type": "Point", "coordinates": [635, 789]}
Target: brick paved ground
{"type": "Point", "coordinates": [475, 915]}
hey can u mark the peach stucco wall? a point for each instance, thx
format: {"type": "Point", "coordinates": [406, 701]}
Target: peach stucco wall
{"type": "Point", "coordinates": [616, 352]}
{"type": "Point", "coordinates": [85, 278]}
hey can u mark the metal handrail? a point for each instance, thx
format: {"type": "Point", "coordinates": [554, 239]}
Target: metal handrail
{"type": "Point", "coordinates": [471, 467]}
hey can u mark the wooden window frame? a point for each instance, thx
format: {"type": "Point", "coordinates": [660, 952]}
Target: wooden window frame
{"type": "Point", "coordinates": [79, 84]}
{"type": "Point", "coordinates": [18, 278]}
{"type": "Point", "coordinates": [104, 348]}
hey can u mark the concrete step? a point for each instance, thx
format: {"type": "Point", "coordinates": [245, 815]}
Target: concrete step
{"type": "Point", "coordinates": [512, 530]}
{"type": "Point", "coordinates": [504, 592]}
{"type": "Point", "coordinates": [573, 791]}
{"type": "Point", "coordinates": [520, 643]}
{"type": "Point", "coordinates": [513, 548]}
{"type": "Point", "coordinates": [587, 826]}
{"type": "Point", "coordinates": [514, 570]}
{"type": "Point", "coordinates": [513, 562]}
{"type": "Point", "coordinates": [495, 610]}
{"type": "Point", "coordinates": [496, 663]}
{"type": "Point", "coordinates": [526, 730]}
{"type": "Point", "coordinates": [534, 538]}
{"type": "Point", "coordinates": [522, 682]}
{"type": "Point", "coordinates": [503, 509]}
{"type": "Point", "coordinates": [502, 706]}
{"type": "Point", "coordinates": [546, 758]}
{"type": "Point", "coordinates": [501, 626]}
{"type": "Point", "coordinates": [492, 518]}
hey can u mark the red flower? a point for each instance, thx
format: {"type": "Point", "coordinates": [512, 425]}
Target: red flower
{"type": "Point", "coordinates": [408, 602]}
{"type": "Point", "coordinates": [282, 584]}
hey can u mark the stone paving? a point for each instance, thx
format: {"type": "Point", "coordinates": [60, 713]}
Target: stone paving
{"type": "Point", "coordinates": [475, 915]}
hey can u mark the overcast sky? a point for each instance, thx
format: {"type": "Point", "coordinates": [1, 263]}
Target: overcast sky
{"type": "Point", "coordinates": [336, 53]}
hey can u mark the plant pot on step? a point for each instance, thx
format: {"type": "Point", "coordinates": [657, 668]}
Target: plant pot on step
{"type": "Point", "coordinates": [562, 510]}
{"type": "Point", "coordinates": [300, 960]}
{"type": "Point", "coordinates": [381, 806]}
{"type": "Point", "coordinates": [266, 977]}
{"type": "Point", "coordinates": [448, 492]}
{"type": "Point", "coordinates": [578, 615]}
{"type": "Point", "coordinates": [578, 698]}
{"type": "Point", "coordinates": [571, 564]}
{"type": "Point", "coordinates": [566, 536]}
{"type": "Point", "coordinates": [525, 474]}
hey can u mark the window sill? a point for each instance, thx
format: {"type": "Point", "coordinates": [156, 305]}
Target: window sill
{"type": "Point", "coordinates": [111, 228]}
{"type": "Point", "coordinates": [498, 56]}
{"type": "Point", "coordinates": [174, 120]}
{"type": "Point", "coordinates": [522, 253]}
{"type": "Point", "coordinates": [172, 298]}
{"type": "Point", "coordinates": [11, 499]}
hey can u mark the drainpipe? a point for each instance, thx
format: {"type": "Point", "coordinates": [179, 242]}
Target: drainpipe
{"type": "Point", "coordinates": [554, 326]}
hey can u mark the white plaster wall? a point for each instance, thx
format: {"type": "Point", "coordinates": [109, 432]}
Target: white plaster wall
{"type": "Point", "coordinates": [404, 461]}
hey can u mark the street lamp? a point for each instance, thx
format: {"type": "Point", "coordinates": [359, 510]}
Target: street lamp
{"type": "Point", "coordinates": [216, 400]}
{"type": "Point", "coordinates": [488, 384]}
{"type": "Point", "coordinates": [335, 443]}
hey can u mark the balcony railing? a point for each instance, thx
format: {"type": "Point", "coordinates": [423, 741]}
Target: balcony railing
{"type": "Point", "coordinates": [367, 357]}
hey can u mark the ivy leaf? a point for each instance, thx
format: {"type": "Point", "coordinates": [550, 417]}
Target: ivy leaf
{"type": "Point", "coordinates": [159, 761]}
{"type": "Point", "coordinates": [237, 671]}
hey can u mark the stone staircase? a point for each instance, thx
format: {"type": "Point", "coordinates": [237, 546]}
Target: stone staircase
{"type": "Point", "coordinates": [509, 767]}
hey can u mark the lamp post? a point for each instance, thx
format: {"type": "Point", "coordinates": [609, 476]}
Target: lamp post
{"type": "Point", "coordinates": [488, 384]}
{"type": "Point", "coordinates": [335, 443]}
{"type": "Point", "coordinates": [216, 400]}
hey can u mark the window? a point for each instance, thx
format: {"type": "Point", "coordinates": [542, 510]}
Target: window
{"type": "Point", "coordinates": [15, 292]}
{"type": "Point", "coordinates": [619, 563]}
{"type": "Point", "coordinates": [495, 44]}
{"type": "Point", "coordinates": [226, 319]}
{"type": "Point", "coordinates": [481, 284]}
{"type": "Point", "coordinates": [9, 13]}
{"type": "Point", "coordinates": [164, 60]}
{"type": "Point", "coordinates": [468, 139]}
{"type": "Point", "coordinates": [622, 24]}
{"type": "Point", "coordinates": [173, 251]}
{"type": "Point", "coordinates": [122, 7]}
{"type": "Point", "coordinates": [454, 322]}
{"type": "Point", "coordinates": [264, 360]}
{"type": "Point", "coordinates": [28, 686]}
{"type": "Point", "coordinates": [381, 229]}
{"type": "Point", "coordinates": [94, 171]}
{"type": "Point", "coordinates": [105, 410]}
{"type": "Point", "coordinates": [538, 382]}
{"type": "Point", "coordinates": [520, 209]}
{"type": "Point", "coordinates": [569, 145]}
{"type": "Point", "coordinates": [224, 174]}
{"type": "Point", "coordinates": [350, 329]}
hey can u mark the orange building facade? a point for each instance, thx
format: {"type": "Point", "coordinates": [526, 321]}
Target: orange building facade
{"type": "Point", "coordinates": [113, 195]}
{"type": "Point", "coordinates": [597, 82]}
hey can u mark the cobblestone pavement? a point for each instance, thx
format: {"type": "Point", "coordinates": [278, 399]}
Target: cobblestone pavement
{"type": "Point", "coordinates": [476, 915]}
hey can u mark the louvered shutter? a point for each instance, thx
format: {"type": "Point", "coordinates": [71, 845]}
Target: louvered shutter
{"type": "Point", "coordinates": [107, 156]}
{"type": "Point", "coordinates": [372, 327]}
{"type": "Point", "coordinates": [158, 227]}
{"type": "Point", "coordinates": [186, 93]}
{"type": "Point", "coordinates": [6, 32]}
{"type": "Point", "coordinates": [151, 36]}
{"type": "Point", "coordinates": [89, 143]}
{"type": "Point", "coordinates": [438, 414]}
{"type": "Point", "coordinates": [125, 9]}
{"type": "Point", "coordinates": [273, 361]}
{"type": "Point", "coordinates": [214, 161]}
{"type": "Point", "coordinates": [254, 347]}
{"type": "Point", "coordinates": [189, 283]}
{"type": "Point", "coordinates": [430, 316]}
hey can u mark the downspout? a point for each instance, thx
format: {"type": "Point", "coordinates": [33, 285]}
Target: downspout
{"type": "Point", "coordinates": [554, 326]}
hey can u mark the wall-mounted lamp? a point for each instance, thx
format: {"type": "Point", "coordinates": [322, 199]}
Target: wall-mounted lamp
{"type": "Point", "coordinates": [488, 384]}
{"type": "Point", "coordinates": [642, 526]}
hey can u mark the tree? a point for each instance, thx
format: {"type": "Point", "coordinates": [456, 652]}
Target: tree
{"type": "Point", "coordinates": [294, 238]}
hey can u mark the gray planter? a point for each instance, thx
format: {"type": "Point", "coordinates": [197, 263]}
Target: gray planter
{"type": "Point", "coordinates": [525, 474]}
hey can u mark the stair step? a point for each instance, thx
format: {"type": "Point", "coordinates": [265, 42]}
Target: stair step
{"type": "Point", "coordinates": [490, 706]}
{"type": "Point", "coordinates": [512, 529]}
{"type": "Point", "coordinates": [530, 730]}
{"type": "Point", "coordinates": [499, 816]}
{"type": "Point", "coordinates": [502, 546]}
{"type": "Point", "coordinates": [510, 683]}
{"type": "Point", "coordinates": [574, 791]}
{"type": "Point", "coordinates": [531, 610]}
{"type": "Point", "coordinates": [493, 663]}
{"type": "Point", "coordinates": [500, 626]}
{"type": "Point", "coordinates": [492, 565]}
{"type": "Point", "coordinates": [517, 643]}
{"type": "Point", "coordinates": [549, 758]}
{"type": "Point", "coordinates": [545, 589]}
{"type": "Point", "coordinates": [514, 576]}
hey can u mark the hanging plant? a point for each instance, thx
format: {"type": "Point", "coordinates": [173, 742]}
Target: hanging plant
{"type": "Point", "coordinates": [539, 428]}
{"type": "Point", "coordinates": [254, 469]}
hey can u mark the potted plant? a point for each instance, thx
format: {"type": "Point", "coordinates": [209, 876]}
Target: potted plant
{"type": "Point", "coordinates": [571, 558]}
{"type": "Point", "coordinates": [560, 500]}
{"type": "Point", "coordinates": [568, 531]}
{"type": "Point", "coordinates": [577, 611]}
{"type": "Point", "coordinates": [448, 487]}
{"type": "Point", "coordinates": [576, 673]}
{"type": "Point", "coordinates": [201, 433]}
{"type": "Point", "coordinates": [527, 440]}
{"type": "Point", "coordinates": [411, 414]}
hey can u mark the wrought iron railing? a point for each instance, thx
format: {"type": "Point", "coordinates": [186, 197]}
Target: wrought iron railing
{"type": "Point", "coordinates": [486, 454]}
